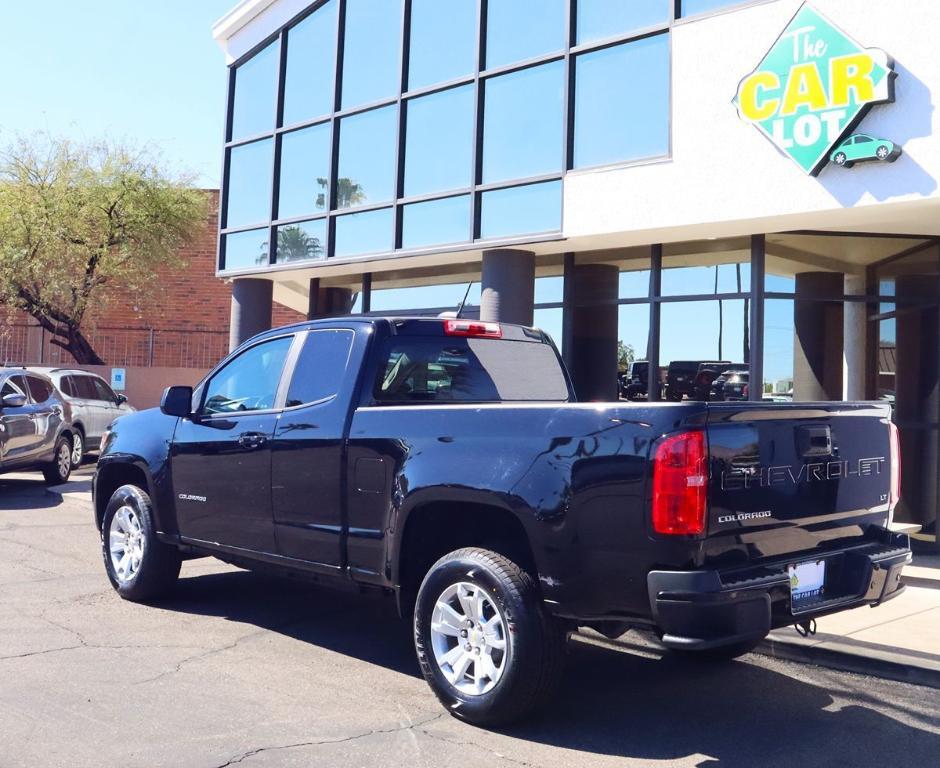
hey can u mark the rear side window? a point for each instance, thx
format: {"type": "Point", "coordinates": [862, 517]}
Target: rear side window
{"type": "Point", "coordinates": [39, 389]}
{"type": "Point", "coordinates": [448, 370]}
{"type": "Point", "coordinates": [320, 368]}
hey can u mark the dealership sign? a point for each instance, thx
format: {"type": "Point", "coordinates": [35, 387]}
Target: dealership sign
{"type": "Point", "coordinates": [813, 88]}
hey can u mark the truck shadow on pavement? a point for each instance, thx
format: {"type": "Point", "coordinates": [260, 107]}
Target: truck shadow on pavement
{"type": "Point", "coordinates": [633, 705]}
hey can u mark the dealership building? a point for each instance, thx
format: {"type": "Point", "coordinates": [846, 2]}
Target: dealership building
{"type": "Point", "coordinates": [744, 181]}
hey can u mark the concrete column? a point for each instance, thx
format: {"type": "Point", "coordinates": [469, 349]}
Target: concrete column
{"type": "Point", "coordinates": [508, 283]}
{"type": "Point", "coordinates": [817, 346]}
{"type": "Point", "coordinates": [594, 329]}
{"type": "Point", "coordinates": [917, 393]}
{"type": "Point", "coordinates": [251, 309]}
{"type": "Point", "coordinates": [855, 335]}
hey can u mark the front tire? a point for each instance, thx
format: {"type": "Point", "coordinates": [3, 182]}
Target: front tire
{"type": "Point", "coordinates": [139, 566]}
{"type": "Point", "coordinates": [58, 470]}
{"type": "Point", "coordinates": [485, 644]}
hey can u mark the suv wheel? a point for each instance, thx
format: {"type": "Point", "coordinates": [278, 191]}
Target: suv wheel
{"type": "Point", "coordinates": [78, 449]}
{"type": "Point", "coordinates": [485, 645]}
{"type": "Point", "coordinates": [139, 565]}
{"type": "Point", "coordinates": [58, 470]}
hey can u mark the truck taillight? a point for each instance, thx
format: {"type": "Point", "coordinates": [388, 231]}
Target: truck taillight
{"type": "Point", "coordinates": [680, 484]}
{"type": "Point", "coordinates": [472, 328]}
{"type": "Point", "coordinates": [895, 465]}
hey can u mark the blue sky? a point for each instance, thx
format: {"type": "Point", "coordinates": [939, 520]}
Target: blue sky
{"type": "Point", "coordinates": [148, 72]}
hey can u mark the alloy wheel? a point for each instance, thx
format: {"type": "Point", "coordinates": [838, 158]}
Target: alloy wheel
{"type": "Point", "coordinates": [126, 543]}
{"type": "Point", "coordinates": [78, 449]}
{"type": "Point", "coordinates": [468, 637]}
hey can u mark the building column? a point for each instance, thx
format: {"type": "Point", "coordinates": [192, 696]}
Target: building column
{"type": "Point", "coordinates": [594, 329]}
{"type": "Point", "coordinates": [817, 345]}
{"type": "Point", "coordinates": [917, 398]}
{"type": "Point", "coordinates": [508, 283]}
{"type": "Point", "coordinates": [328, 302]}
{"type": "Point", "coordinates": [251, 309]}
{"type": "Point", "coordinates": [854, 332]}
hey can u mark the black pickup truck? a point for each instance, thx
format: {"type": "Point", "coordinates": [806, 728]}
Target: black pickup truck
{"type": "Point", "coordinates": [446, 463]}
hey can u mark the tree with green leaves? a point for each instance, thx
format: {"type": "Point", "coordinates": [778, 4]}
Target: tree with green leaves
{"type": "Point", "coordinates": [79, 220]}
{"type": "Point", "coordinates": [625, 355]}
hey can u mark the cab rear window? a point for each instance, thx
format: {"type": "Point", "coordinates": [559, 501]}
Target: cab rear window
{"type": "Point", "coordinates": [455, 370]}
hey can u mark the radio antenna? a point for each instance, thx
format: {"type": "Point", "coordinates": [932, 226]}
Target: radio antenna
{"type": "Point", "coordinates": [464, 302]}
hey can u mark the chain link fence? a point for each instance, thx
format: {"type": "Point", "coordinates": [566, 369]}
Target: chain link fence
{"type": "Point", "coordinates": [29, 344]}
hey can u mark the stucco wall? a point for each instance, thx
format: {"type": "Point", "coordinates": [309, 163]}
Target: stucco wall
{"type": "Point", "coordinates": [726, 178]}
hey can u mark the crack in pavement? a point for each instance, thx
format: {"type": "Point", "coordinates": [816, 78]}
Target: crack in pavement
{"type": "Point", "coordinates": [476, 745]}
{"type": "Point", "coordinates": [237, 641]}
{"type": "Point", "coordinates": [364, 735]}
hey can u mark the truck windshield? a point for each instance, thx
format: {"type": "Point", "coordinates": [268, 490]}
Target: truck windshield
{"type": "Point", "coordinates": [449, 370]}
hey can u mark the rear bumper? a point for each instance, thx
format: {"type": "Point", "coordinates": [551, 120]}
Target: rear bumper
{"type": "Point", "coordinates": [698, 610]}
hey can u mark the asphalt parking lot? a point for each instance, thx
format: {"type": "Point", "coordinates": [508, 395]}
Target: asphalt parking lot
{"type": "Point", "coordinates": [238, 669]}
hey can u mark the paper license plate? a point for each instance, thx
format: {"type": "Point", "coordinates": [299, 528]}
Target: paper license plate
{"type": "Point", "coordinates": [807, 581]}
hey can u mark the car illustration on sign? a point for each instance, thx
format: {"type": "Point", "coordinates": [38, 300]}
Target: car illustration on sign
{"type": "Point", "coordinates": [862, 147]}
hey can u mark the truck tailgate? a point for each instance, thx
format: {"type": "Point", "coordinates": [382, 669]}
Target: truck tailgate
{"type": "Point", "coordinates": [790, 478]}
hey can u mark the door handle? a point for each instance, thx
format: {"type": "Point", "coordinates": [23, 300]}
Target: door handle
{"type": "Point", "coordinates": [251, 440]}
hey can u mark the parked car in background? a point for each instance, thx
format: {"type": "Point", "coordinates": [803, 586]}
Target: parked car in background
{"type": "Point", "coordinates": [634, 384]}
{"type": "Point", "coordinates": [94, 406]}
{"type": "Point", "coordinates": [692, 378]}
{"type": "Point", "coordinates": [731, 384]}
{"type": "Point", "coordinates": [35, 425]}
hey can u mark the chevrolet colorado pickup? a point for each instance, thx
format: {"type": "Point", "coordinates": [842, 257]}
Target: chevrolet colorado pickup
{"type": "Point", "coordinates": [446, 463]}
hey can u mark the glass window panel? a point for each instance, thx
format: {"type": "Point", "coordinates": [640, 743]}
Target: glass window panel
{"type": "Point", "coordinates": [366, 232]}
{"type": "Point", "coordinates": [622, 103]}
{"type": "Point", "coordinates": [425, 297]}
{"type": "Point", "coordinates": [633, 328]}
{"type": "Point", "coordinates": [305, 171]}
{"type": "Point", "coordinates": [372, 52]}
{"type": "Point", "coordinates": [521, 210]}
{"type": "Point", "coordinates": [255, 94]}
{"type": "Point", "coordinates": [778, 345]}
{"type": "Point", "coordinates": [436, 221]}
{"type": "Point", "coordinates": [692, 7]}
{"type": "Point", "coordinates": [320, 367]}
{"type": "Point", "coordinates": [367, 147]}
{"type": "Point", "coordinates": [598, 19]}
{"type": "Point", "coordinates": [698, 331]}
{"type": "Point", "coordinates": [515, 32]}
{"type": "Point", "coordinates": [439, 142]}
{"type": "Point", "coordinates": [523, 123]}
{"type": "Point", "coordinates": [249, 183]}
{"type": "Point", "coordinates": [549, 290]}
{"type": "Point", "coordinates": [443, 41]}
{"type": "Point", "coordinates": [720, 278]}
{"type": "Point", "coordinates": [246, 249]}
{"type": "Point", "coordinates": [300, 242]}
{"type": "Point", "coordinates": [311, 64]}
{"type": "Point", "coordinates": [634, 284]}
{"type": "Point", "coordinates": [550, 321]}
{"type": "Point", "coordinates": [250, 381]}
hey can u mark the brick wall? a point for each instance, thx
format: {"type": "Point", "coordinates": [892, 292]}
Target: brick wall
{"type": "Point", "coordinates": [188, 312]}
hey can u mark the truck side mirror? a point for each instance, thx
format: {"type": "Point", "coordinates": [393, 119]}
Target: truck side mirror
{"type": "Point", "coordinates": [13, 400]}
{"type": "Point", "coordinates": [177, 401]}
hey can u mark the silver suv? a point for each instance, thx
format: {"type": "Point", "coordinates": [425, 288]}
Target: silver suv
{"type": "Point", "coordinates": [35, 425]}
{"type": "Point", "coordinates": [94, 406]}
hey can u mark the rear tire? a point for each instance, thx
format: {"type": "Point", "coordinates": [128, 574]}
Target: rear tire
{"type": "Point", "coordinates": [523, 646]}
{"type": "Point", "coordinates": [58, 470]}
{"type": "Point", "coordinates": [139, 565]}
{"type": "Point", "coordinates": [78, 449]}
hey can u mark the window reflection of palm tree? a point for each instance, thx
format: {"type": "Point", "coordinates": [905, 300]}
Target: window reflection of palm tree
{"type": "Point", "coordinates": [348, 193]}
{"type": "Point", "coordinates": [293, 244]}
